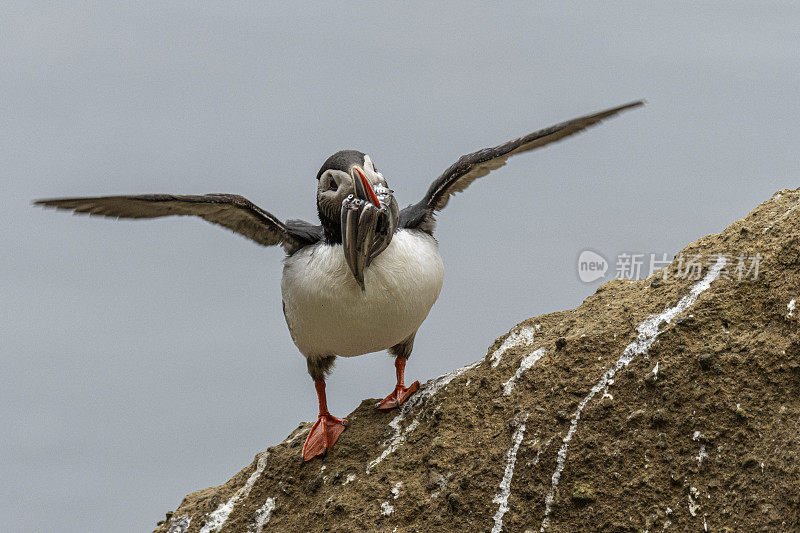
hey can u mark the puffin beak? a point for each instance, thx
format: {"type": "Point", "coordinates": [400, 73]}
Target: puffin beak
{"type": "Point", "coordinates": [362, 187]}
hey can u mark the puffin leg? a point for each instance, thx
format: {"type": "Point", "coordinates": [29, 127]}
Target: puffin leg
{"type": "Point", "coordinates": [325, 431]}
{"type": "Point", "coordinates": [401, 392]}
{"type": "Point", "coordinates": [327, 428]}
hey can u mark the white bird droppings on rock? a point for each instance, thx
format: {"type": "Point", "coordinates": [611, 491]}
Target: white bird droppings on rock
{"type": "Point", "coordinates": [387, 508]}
{"type": "Point", "coordinates": [790, 306]}
{"type": "Point", "coordinates": [218, 518]}
{"type": "Point", "coordinates": [518, 337]}
{"type": "Point", "coordinates": [262, 515]}
{"type": "Point", "coordinates": [701, 454]}
{"type": "Point", "coordinates": [527, 363]}
{"type": "Point", "coordinates": [180, 524]}
{"type": "Point", "coordinates": [505, 484]}
{"type": "Point", "coordinates": [694, 496]}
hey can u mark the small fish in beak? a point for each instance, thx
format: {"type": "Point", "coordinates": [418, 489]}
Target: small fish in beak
{"type": "Point", "coordinates": [368, 224]}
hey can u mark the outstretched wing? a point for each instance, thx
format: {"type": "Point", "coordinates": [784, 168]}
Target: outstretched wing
{"type": "Point", "coordinates": [232, 211]}
{"type": "Point", "coordinates": [478, 164]}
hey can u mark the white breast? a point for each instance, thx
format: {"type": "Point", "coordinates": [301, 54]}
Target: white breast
{"type": "Point", "coordinates": [327, 312]}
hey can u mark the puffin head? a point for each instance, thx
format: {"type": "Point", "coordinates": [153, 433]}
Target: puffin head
{"type": "Point", "coordinates": [345, 173]}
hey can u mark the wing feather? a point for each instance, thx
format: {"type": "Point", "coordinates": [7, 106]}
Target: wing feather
{"type": "Point", "coordinates": [231, 211]}
{"type": "Point", "coordinates": [478, 164]}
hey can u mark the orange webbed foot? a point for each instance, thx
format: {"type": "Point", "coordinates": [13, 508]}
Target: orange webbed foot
{"type": "Point", "coordinates": [323, 435]}
{"type": "Point", "coordinates": [398, 396]}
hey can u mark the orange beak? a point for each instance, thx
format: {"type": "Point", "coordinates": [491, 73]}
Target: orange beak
{"type": "Point", "coordinates": [362, 187]}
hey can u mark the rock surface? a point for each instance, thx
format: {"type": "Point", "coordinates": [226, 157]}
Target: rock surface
{"type": "Point", "coordinates": [667, 403]}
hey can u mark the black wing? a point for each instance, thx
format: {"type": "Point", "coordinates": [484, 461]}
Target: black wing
{"type": "Point", "coordinates": [232, 211]}
{"type": "Point", "coordinates": [478, 164]}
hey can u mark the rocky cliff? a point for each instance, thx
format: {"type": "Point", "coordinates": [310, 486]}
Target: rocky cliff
{"type": "Point", "coordinates": [667, 403]}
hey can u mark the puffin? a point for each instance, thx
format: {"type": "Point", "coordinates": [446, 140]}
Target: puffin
{"type": "Point", "coordinates": [362, 280]}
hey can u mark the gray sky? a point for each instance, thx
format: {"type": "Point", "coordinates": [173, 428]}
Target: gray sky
{"type": "Point", "coordinates": [145, 360]}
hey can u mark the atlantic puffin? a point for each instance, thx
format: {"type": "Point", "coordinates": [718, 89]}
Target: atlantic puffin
{"type": "Point", "coordinates": [363, 279]}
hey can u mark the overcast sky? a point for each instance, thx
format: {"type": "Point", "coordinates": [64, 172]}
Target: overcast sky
{"type": "Point", "coordinates": [142, 360]}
